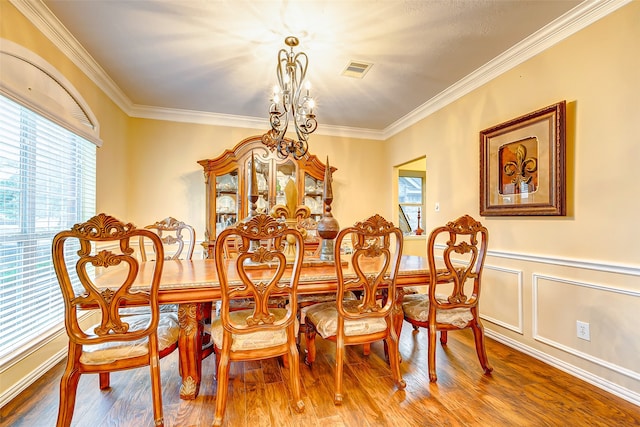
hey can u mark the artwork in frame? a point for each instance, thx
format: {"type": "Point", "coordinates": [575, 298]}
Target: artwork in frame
{"type": "Point", "coordinates": [522, 165]}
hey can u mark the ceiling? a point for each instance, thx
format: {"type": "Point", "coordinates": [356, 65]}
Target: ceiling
{"type": "Point", "coordinates": [216, 59]}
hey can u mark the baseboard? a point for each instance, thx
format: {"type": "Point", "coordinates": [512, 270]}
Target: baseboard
{"type": "Point", "coordinates": [595, 380]}
{"type": "Point", "coordinates": [33, 376]}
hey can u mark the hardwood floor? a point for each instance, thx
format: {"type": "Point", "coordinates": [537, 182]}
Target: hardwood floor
{"type": "Point", "coordinates": [521, 391]}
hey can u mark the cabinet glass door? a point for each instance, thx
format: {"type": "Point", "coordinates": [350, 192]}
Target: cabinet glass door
{"type": "Point", "coordinates": [285, 171]}
{"type": "Point", "coordinates": [313, 189]}
{"type": "Point", "coordinates": [264, 190]}
{"type": "Point", "coordinates": [226, 200]}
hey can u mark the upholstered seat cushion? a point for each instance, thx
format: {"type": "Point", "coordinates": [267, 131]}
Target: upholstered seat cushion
{"type": "Point", "coordinates": [325, 317]}
{"type": "Point", "coordinates": [416, 307]}
{"type": "Point", "coordinates": [168, 332]}
{"type": "Point", "coordinates": [306, 301]}
{"type": "Point", "coordinates": [253, 340]}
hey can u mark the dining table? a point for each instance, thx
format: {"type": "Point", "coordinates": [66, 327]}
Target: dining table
{"type": "Point", "coordinates": [193, 285]}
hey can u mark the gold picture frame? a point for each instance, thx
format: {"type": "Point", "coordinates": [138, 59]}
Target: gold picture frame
{"type": "Point", "coordinates": [522, 165]}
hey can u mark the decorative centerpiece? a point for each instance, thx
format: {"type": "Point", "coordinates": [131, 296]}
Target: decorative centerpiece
{"type": "Point", "coordinates": [292, 213]}
{"type": "Point", "coordinates": [253, 189]}
{"type": "Point", "coordinates": [328, 226]}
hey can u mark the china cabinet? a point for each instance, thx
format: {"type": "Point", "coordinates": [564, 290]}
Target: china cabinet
{"type": "Point", "coordinates": [227, 181]}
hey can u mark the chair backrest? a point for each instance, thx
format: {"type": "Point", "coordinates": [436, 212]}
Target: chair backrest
{"type": "Point", "coordinates": [103, 242]}
{"type": "Point", "coordinates": [377, 250]}
{"type": "Point", "coordinates": [465, 246]}
{"type": "Point", "coordinates": [258, 271]}
{"type": "Point", "coordinates": [175, 235]}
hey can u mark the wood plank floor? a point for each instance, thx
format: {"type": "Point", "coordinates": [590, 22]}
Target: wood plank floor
{"type": "Point", "coordinates": [521, 391]}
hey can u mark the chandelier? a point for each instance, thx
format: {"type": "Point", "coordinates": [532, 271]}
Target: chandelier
{"type": "Point", "coordinates": [291, 95]}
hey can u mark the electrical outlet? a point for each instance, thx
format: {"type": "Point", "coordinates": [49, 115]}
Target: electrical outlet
{"type": "Point", "coordinates": [583, 330]}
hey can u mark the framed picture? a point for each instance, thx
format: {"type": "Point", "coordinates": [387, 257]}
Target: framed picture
{"type": "Point", "coordinates": [522, 165]}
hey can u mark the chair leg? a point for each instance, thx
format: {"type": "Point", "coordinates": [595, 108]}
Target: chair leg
{"type": "Point", "coordinates": [285, 361]}
{"type": "Point", "coordinates": [294, 375]}
{"type": "Point", "coordinates": [104, 380]}
{"type": "Point", "coordinates": [478, 336]}
{"type": "Point", "coordinates": [156, 386]}
{"type": "Point", "coordinates": [366, 349]}
{"type": "Point", "coordinates": [391, 343]}
{"type": "Point", "coordinates": [337, 399]}
{"type": "Point", "coordinates": [310, 338]}
{"type": "Point", "coordinates": [68, 387]}
{"type": "Point", "coordinates": [433, 333]}
{"type": "Point", "coordinates": [443, 337]}
{"type": "Point", "coordinates": [223, 386]}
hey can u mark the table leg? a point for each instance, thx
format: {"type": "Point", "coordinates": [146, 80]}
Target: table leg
{"type": "Point", "coordinates": [191, 318]}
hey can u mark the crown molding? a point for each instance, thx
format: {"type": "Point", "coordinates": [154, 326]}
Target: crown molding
{"type": "Point", "coordinates": [44, 20]}
{"type": "Point", "coordinates": [217, 119]}
{"type": "Point", "coordinates": [573, 21]}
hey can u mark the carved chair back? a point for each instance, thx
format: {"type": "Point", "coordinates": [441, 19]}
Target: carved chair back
{"type": "Point", "coordinates": [178, 239]}
{"type": "Point", "coordinates": [257, 272]}
{"type": "Point", "coordinates": [377, 249]}
{"type": "Point", "coordinates": [465, 247]}
{"type": "Point", "coordinates": [76, 255]}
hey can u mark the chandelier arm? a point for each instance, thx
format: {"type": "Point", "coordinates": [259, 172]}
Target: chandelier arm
{"type": "Point", "coordinates": [291, 71]}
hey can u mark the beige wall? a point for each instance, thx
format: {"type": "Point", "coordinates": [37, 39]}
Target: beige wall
{"type": "Point", "coordinates": [165, 178]}
{"type": "Point", "coordinates": [542, 274]}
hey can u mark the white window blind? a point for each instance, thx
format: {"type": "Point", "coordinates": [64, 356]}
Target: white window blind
{"type": "Point", "coordinates": [47, 184]}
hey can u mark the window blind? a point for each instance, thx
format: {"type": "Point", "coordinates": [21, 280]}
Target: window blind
{"type": "Point", "coordinates": [47, 184]}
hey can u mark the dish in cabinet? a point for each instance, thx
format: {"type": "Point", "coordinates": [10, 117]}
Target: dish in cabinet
{"type": "Point", "coordinates": [225, 204]}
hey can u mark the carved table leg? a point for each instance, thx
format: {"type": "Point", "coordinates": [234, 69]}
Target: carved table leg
{"type": "Point", "coordinates": [190, 317]}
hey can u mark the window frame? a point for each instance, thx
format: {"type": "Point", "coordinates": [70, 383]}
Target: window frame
{"type": "Point", "coordinates": [41, 90]}
{"type": "Point", "coordinates": [403, 173]}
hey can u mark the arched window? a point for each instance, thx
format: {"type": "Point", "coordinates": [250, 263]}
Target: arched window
{"type": "Point", "coordinates": [48, 141]}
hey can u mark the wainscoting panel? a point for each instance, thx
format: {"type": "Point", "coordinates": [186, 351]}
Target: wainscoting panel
{"type": "Point", "coordinates": [501, 298]}
{"type": "Point", "coordinates": [610, 312]}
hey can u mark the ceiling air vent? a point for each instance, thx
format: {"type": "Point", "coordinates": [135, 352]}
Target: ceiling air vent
{"type": "Point", "coordinates": [357, 69]}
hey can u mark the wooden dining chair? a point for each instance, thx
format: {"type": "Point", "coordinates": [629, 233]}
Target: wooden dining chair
{"type": "Point", "coordinates": [452, 305]}
{"type": "Point", "coordinates": [257, 274]}
{"type": "Point", "coordinates": [178, 239]}
{"type": "Point", "coordinates": [116, 343]}
{"type": "Point", "coordinates": [375, 260]}
{"type": "Point", "coordinates": [178, 242]}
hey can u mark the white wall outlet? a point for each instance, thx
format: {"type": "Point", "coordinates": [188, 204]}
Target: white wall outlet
{"type": "Point", "coordinates": [583, 330]}
{"type": "Point", "coordinates": [437, 207]}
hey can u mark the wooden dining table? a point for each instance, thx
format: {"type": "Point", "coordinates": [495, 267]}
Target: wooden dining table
{"type": "Point", "coordinates": [194, 286]}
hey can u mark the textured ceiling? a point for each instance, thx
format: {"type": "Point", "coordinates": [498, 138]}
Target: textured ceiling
{"type": "Point", "coordinates": [219, 56]}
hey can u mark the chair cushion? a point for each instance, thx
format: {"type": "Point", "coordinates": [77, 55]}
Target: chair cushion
{"type": "Point", "coordinates": [253, 340]}
{"type": "Point", "coordinates": [306, 301]}
{"type": "Point", "coordinates": [416, 307]}
{"type": "Point", "coordinates": [168, 333]}
{"type": "Point", "coordinates": [325, 317]}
